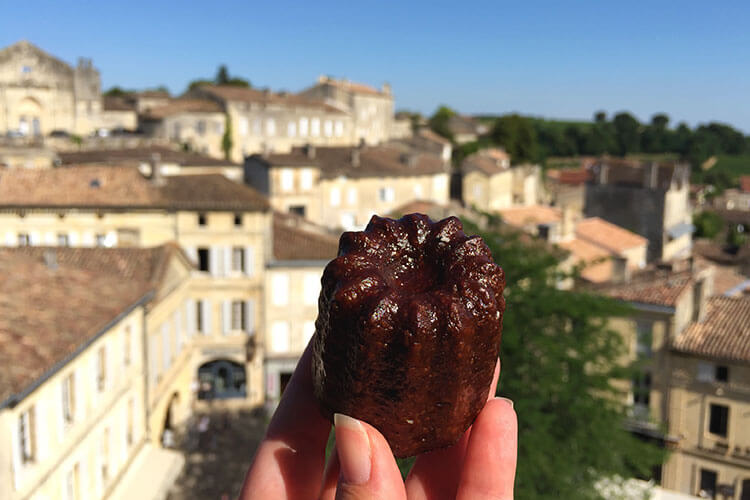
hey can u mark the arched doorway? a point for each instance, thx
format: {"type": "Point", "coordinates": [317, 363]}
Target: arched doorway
{"type": "Point", "coordinates": [29, 116]}
{"type": "Point", "coordinates": [221, 379]}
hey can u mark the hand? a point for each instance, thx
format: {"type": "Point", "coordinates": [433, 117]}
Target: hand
{"type": "Point", "coordinates": [289, 463]}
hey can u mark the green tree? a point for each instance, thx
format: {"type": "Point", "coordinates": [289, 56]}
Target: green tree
{"type": "Point", "coordinates": [627, 133]}
{"type": "Point", "coordinates": [222, 75]}
{"type": "Point", "coordinates": [518, 136]}
{"type": "Point", "coordinates": [116, 92]}
{"type": "Point", "coordinates": [708, 224]}
{"type": "Point", "coordinates": [439, 122]}
{"type": "Point", "coordinates": [655, 135]}
{"type": "Point", "coordinates": [226, 139]}
{"type": "Point", "coordinates": [559, 362]}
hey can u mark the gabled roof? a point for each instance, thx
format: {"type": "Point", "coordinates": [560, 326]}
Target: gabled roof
{"type": "Point", "coordinates": [182, 105]}
{"type": "Point", "coordinates": [129, 156]}
{"type": "Point", "coordinates": [266, 97]}
{"type": "Point", "coordinates": [353, 87]}
{"type": "Point", "coordinates": [55, 300]}
{"type": "Point", "coordinates": [723, 334]}
{"type": "Point", "coordinates": [607, 235]}
{"type": "Point", "coordinates": [123, 187]}
{"type": "Point", "coordinates": [292, 242]}
{"type": "Point", "coordinates": [26, 47]}
{"type": "Point", "coordinates": [596, 262]}
{"type": "Point", "coordinates": [532, 214]}
{"type": "Point", "coordinates": [374, 161]}
{"type": "Point", "coordinates": [489, 161]}
{"type": "Point", "coordinates": [654, 287]}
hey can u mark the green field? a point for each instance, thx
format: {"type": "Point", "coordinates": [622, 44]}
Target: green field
{"type": "Point", "coordinates": [733, 166]}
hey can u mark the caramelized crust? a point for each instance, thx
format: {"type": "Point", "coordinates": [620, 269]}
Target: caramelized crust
{"type": "Point", "coordinates": [408, 330]}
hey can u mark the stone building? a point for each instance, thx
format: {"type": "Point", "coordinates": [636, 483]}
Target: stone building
{"type": "Point", "coordinates": [223, 226]}
{"type": "Point", "coordinates": [40, 93]}
{"type": "Point", "coordinates": [650, 199]}
{"type": "Point", "coordinates": [84, 406]}
{"type": "Point", "coordinates": [466, 129]}
{"type": "Point", "coordinates": [344, 187]}
{"type": "Point", "coordinates": [265, 121]}
{"type": "Point", "coordinates": [735, 199]}
{"type": "Point", "coordinates": [371, 110]}
{"type": "Point", "coordinates": [489, 183]}
{"type": "Point", "coordinates": [300, 253]}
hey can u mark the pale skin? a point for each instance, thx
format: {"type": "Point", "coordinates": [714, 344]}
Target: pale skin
{"type": "Point", "coordinates": [290, 461]}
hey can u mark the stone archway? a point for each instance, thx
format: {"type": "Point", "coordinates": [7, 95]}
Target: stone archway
{"type": "Point", "coordinates": [222, 379]}
{"type": "Point", "coordinates": [29, 117]}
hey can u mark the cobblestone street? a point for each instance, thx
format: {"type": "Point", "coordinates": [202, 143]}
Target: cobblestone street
{"type": "Point", "coordinates": [217, 459]}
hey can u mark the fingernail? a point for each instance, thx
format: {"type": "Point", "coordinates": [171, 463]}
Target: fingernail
{"type": "Point", "coordinates": [353, 447]}
{"type": "Point", "coordinates": [509, 401]}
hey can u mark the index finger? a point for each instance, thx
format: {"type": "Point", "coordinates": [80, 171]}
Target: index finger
{"type": "Point", "coordinates": [290, 459]}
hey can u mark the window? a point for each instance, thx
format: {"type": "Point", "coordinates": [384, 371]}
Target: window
{"type": "Point", "coordinates": [722, 373]}
{"type": "Point", "coordinates": [242, 127]}
{"type": "Point", "coordinates": [315, 127]}
{"type": "Point", "coordinates": [27, 435]}
{"type": "Point", "coordinates": [72, 483]}
{"type": "Point", "coordinates": [718, 420]}
{"type": "Point", "coordinates": [386, 194]}
{"type": "Point", "coordinates": [348, 221]}
{"type": "Point", "coordinates": [256, 126]}
{"type": "Point", "coordinates": [644, 339]}
{"type": "Point", "coordinates": [238, 315]}
{"type": "Point", "coordinates": [291, 129]}
{"type": "Point", "coordinates": [351, 196]}
{"type": "Point", "coordinates": [287, 179]}
{"type": "Point", "coordinates": [101, 240]}
{"type": "Point", "coordinates": [328, 128]}
{"type": "Point", "coordinates": [306, 179]}
{"type": "Point", "coordinates": [297, 210]}
{"type": "Point", "coordinates": [200, 127]}
{"type": "Point", "coordinates": [303, 127]}
{"type": "Point", "coordinates": [270, 127]}
{"type": "Point", "coordinates": [62, 240]}
{"type": "Point", "coordinates": [238, 259]}
{"type": "Point", "coordinates": [101, 369]}
{"type": "Point", "coordinates": [418, 193]}
{"type": "Point", "coordinates": [642, 389]}
{"type": "Point", "coordinates": [129, 422]}
{"type": "Point", "coordinates": [166, 349]}
{"type": "Point", "coordinates": [311, 288]}
{"type": "Point", "coordinates": [708, 483]}
{"type": "Point", "coordinates": [104, 458]}
{"type": "Point", "coordinates": [203, 259]}
{"type": "Point", "coordinates": [23, 240]}
{"type": "Point", "coordinates": [335, 197]}
{"type": "Point", "coordinates": [237, 220]}
{"type": "Point", "coordinates": [202, 219]}
{"type": "Point", "coordinates": [280, 289]}
{"type": "Point", "coordinates": [308, 330]}
{"type": "Point", "coordinates": [339, 128]}
{"type": "Point", "coordinates": [127, 348]}
{"type": "Point", "coordinates": [705, 372]}
{"type": "Point", "coordinates": [68, 398]}
{"type": "Point", "coordinates": [280, 336]}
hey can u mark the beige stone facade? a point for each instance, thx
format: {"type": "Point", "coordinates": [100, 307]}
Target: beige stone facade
{"type": "Point", "coordinates": [343, 187]}
{"type": "Point", "coordinates": [40, 93]}
{"type": "Point", "coordinates": [489, 183]}
{"type": "Point", "coordinates": [371, 109]}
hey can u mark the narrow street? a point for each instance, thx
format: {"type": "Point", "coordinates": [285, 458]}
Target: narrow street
{"type": "Point", "coordinates": [217, 459]}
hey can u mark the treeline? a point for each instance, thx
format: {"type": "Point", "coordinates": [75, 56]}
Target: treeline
{"type": "Point", "coordinates": [534, 139]}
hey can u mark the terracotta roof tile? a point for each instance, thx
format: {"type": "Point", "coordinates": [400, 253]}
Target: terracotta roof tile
{"type": "Point", "coordinates": [117, 103]}
{"type": "Point", "coordinates": [295, 243]}
{"type": "Point", "coordinates": [724, 333]}
{"type": "Point", "coordinates": [102, 187]}
{"type": "Point", "coordinates": [532, 214]}
{"type": "Point", "coordinates": [249, 95]}
{"type": "Point", "coordinates": [596, 262]}
{"type": "Point", "coordinates": [354, 87]}
{"type": "Point", "coordinates": [183, 105]}
{"type": "Point", "coordinates": [131, 156]}
{"type": "Point", "coordinates": [489, 162]}
{"type": "Point", "coordinates": [654, 287]}
{"type": "Point", "coordinates": [745, 183]}
{"type": "Point", "coordinates": [608, 235]}
{"type": "Point", "coordinates": [48, 312]}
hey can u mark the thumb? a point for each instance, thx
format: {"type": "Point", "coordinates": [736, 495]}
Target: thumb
{"type": "Point", "coordinates": [367, 467]}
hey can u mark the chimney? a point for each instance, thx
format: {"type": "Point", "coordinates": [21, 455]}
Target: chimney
{"type": "Point", "coordinates": [620, 270]}
{"type": "Point", "coordinates": [386, 89]}
{"type": "Point", "coordinates": [50, 259]}
{"type": "Point", "coordinates": [156, 177]}
{"type": "Point", "coordinates": [355, 157]}
{"type": "Point", "coordinates": [310, 151]}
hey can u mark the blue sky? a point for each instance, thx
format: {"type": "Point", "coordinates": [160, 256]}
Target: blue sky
{"type": "Point", "coordinates": [554, 59]}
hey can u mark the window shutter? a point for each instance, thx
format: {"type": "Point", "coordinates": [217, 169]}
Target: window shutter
{"type": "Point", "coordinates": [73, 239]}
{"type": "Point", "coordinates": [192, 253]}
{"type": "Point", "coordinates": [190, 315]}
{"type": "Point", "coordinates": [213, 258]}
{"type": "Point", "coordinates": [39, 429]}
{"type": "Point", "coordinates": [250, 316]}
{"type": "Point", "coordinates": [94, 377]}
{"type": "Point", "coordinates": [249, 261]}
{"type": "Point", "coordinates": [227, 260]}
{"type": "Point", "coordinates": [208, 325]}
{"type": "Point", "coordinates": [226, 317]}
{"type": "Point", "coordinates": [17, 461]}
{"type": "Point", "coordinates": [34, 238]}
